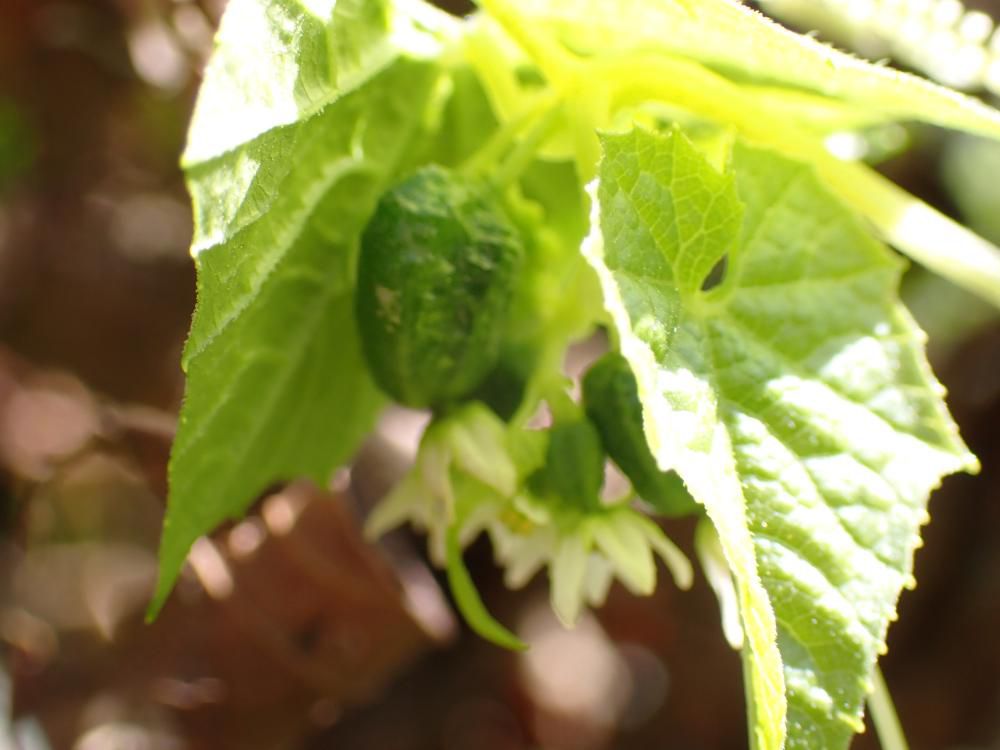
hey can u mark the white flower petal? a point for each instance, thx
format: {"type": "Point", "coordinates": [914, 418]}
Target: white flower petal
{"type": "Point", "coordinates": [676, 561]}
{"type": "Point", "coordinates": [716, 569]}
{"type": "Point", "coordinates": [600, 574]}
{"type": "Point", "coordinates": [566, 578]}
{"type": "Point", "coordinates": [627, 549]}
{"type": "Point", "coordinates": [404, 503]}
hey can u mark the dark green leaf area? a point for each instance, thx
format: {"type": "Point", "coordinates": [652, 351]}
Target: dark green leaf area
{"type": "Point", "coordinates": [574, 466]}
{"type": "Point", "coordinates": [611, 400]}
{"type": "Point", "coordinates": [504, 386]}
{"type": "Point", "coordinates": [439, 260]}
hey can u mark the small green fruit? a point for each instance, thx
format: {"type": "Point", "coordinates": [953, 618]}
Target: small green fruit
{"type": "Point", "coordinates": [574, 465]}
{"type": "Point", "coordinates": [438, 264]}
{"type": "Point", "coordinates": [611, 400]}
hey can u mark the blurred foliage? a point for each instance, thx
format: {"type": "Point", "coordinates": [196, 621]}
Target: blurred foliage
{"type": "Point", "coordinates": [970, 167]}
{"type": "Point", "coordinates": [16, 147]}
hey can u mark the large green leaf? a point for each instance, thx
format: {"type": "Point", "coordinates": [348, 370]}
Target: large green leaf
{"type": "Point", "coordinates": [662, 220]}
{"type": "Point", "coordinates": [793, 399]}
{"type": "Point", "coordinates": [719, 61]}
{"type": "Point", "coordinates": [741, 42]}
{"type": "Point", "coordinates": [306, 114]}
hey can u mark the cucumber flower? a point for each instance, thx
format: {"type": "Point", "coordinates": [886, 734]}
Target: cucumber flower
{"type": "Point", "coordinates": [529, 491]}
{"type": "Point", "coordinates": [584, 550]}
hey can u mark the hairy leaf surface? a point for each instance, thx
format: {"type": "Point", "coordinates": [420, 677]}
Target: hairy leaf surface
{"type": "Point", "coordinates": [741, 42]}
{"type": "Point", "coordinates": [793, 399]}
{"type": "Point", "coordinates": [307, 112]}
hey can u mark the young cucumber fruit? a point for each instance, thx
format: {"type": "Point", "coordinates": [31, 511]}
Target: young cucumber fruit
{"type": "Point", "coordinates": [438, 264]}
{"type": "Point", "coordinates": [611, 400]}
{"type": "Point", "coordinates": [574, 465]}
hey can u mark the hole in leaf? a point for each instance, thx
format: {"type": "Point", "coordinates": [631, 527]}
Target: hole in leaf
{"type": "Point", "coordinates": [716, 275]}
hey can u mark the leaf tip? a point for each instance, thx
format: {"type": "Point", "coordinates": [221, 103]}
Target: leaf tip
{"type": "Point", "coordinates": [164, 585]}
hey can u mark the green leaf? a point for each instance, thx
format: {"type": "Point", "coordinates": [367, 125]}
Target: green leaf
{"type": "Point", "coordinates": [793, 399]}
{"type": "Point", "coordinates": [278, 62]}
{"type": "Point", "coordinates": [720, 62]}
{"type": "Point", "coordinates": [742, 43]}
{"type": "Point", "coordinates": [306, 114]}
{"type": "Point", "coordinates": [662, 220]}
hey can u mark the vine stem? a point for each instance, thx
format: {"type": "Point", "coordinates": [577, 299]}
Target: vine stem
{"type": "Point", "coordinates": [558, 66]}
{"type": "Point", "coordinates": [884, 717]}
{"type": "Point", "coordinates": [500, 141]}
{"type": "Point", "coordinates": [524, 152]}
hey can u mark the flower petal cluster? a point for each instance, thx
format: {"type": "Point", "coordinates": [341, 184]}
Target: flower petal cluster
{"type": "Point", "coordinates": [471, 471]}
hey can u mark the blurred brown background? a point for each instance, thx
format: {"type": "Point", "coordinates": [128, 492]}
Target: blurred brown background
{"type": "Point", "coordinates": [287, 631]}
